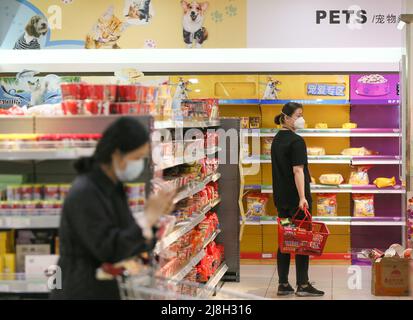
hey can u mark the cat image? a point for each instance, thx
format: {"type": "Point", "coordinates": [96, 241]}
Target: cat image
{"type": "Point", "coordinates": [106, 32]}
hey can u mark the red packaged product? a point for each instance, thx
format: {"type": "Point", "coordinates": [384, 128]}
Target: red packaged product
{"type": "Point", "coordinates": [72, 107]}
{"type": "Point", "coordinates": [129, 93]}
{"type": "Point", "coordinates": [26, 192]}
{"type": "Point", "coordinates": [71, 91]}
{"type": "Point", "coordinates": [90, 107]}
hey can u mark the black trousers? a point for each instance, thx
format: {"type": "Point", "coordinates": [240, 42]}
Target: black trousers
{"type": "Point", "coordinates": [283, 259]}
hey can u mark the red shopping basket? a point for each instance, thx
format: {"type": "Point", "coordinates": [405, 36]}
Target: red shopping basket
{"type": "Point", "coordinates": [303, 236]}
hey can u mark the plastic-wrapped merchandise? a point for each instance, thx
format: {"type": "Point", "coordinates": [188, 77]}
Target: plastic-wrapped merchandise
{"type": "Point", "coordinates": [256, 204]}
{"type": "Point", "coordinates": [266, 146]}
{"type": "Point", "coordinates": [359, 175]}
{"type": "Point", "coordinates": [360, 152]}
{"type": "Point", "coordinates": [385, 182]}
{"type": "Point", "coordinates": [331, 179]}
{"type": "Point", "coordinates": [349, 125]}
{"type": "Point", "coordinates": [327, 204]}
{"type": "Point", "coordinates": [316, 151]}
{"type": "Point", "coordinates": [321, 126]}
{"type": "Point", "coordinates": [363, 205]}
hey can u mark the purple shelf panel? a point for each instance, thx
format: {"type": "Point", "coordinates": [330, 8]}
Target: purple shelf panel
{"type": "Point", "coordinates": [375, 116]}
{"type": "Point", "coordinates": [369, 237]}
{"type": "Point", "coordinates": [386, 147]}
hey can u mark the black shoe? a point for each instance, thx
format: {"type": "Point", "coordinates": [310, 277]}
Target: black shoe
{"type": "Point", "coordinates": [308, 291]}
{"type": "Point", "coordinates": [285, 290]}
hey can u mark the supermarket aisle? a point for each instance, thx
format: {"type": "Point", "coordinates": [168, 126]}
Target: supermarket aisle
{"type": "Point", "coordinates": [262, 280]}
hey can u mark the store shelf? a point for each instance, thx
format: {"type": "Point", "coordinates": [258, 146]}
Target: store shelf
{"type": "Point", "coordinates": [266, 102]}
{"type": "Point", "coordinates": [344, 188]}
{"type": "Point", "coordinates": [185, 124]}
{"type": "Point", "coordinates": [186, 269]}
{"type": "Point", "coordinates": [29, 222]}
{"type": "Point", "coordinates": [27, 285]}
{"type": "Point", "coordinates": [212, 238]}
{"type": "Point", "coordinates": [210, 286]}
{"type": "Point", "coordinates": [46, 154]}
{"type": "Point", "coordinates": [328, 133]}
{"type": "Point", "coordinates": [340, 220]}
{"type": "Point", "coordinates": [178, 161]}
{"type": "Point", "coordinates": [330, 159]}
{"type": "Point", "coordinates": [191, 190]}
{"type": "Point", "coordinates": [213, 150]}
{"type": "Point", "coordinates": [188, 226]}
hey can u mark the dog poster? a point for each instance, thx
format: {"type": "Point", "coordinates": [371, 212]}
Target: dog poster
{"type": "Point", "coordinates": [138, 12]}
{"type": "Point", "coordinates": [27, 89]}
{"type": "Point", "coordinates": [194, 31]}
{"type": "Point", "coordinates": [271, 89]}
{"type": "Point", "coordinates": [36, 27]}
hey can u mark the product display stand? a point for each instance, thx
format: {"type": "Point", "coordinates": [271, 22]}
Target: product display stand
{"type": "Point", "coordinates": [47, 170]}
{"type": "Point", "coordinates": [228, 210]}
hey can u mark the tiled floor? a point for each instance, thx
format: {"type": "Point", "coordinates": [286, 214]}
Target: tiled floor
{"type": "Point", "coordinates": [262, 281]}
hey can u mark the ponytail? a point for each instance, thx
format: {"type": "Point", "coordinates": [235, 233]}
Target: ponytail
{"type": "Point", "coordinates": [279, 119]}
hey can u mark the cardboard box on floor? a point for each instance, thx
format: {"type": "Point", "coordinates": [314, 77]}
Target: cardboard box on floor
{"type": "Point", "coordinates": [390, 277]}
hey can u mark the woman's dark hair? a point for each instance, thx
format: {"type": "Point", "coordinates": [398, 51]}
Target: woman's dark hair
{"type": "Point", "coordinates": [288, 109]}
{"type": "Point", "coordinates": [125, 135]}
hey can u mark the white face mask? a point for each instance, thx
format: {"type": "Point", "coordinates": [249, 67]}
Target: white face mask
{"type": "Point", "coordinates": [299, 123]}
{"type": "Point", "coordinates": [132, 171]}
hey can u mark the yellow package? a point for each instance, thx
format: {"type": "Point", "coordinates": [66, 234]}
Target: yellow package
{"type": "Point", "coordinates": [357, 152]}
{"type": "Point", "coordinates": [316, 151]}
{"type": "Point", "coordinates": [6, 242]}
{"type": "Point", "coordinates": [359, 176]}
{"type": "Point", "coordinates": [245, 123]}
{"type": "Point", "coordinates": [331, 179]}
{"type": "Point", "coordinates": [349, 125]}
{"type": "Point", "coordinates": [321, 125]}
{"type": "Point", "coordinates": [256, 204]}
{"type": "Point", "coordinates": [385, 182]}
{"type": "Point", "coordinates": [266, 146]}
{"type": "Point", "coordinates": [327, 205]}
{"type": "Point", "coordinates": [363, 205]}
{"type": "Point", "coordinates": [9, 266]}
{"type": "Point", "coordinates": [255, 122]}
{"type": "Point", "coordinates": [313, 180]}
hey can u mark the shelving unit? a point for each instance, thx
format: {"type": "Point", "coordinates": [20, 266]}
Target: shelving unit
{"type": "Point", "coordinates": [379, 128]}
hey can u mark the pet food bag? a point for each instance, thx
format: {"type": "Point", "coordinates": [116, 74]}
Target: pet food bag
{"type": "Point", "coordinates": [357, 152]}
{"type": "Point", "coordinates": [266, 146]}
{"type": "Point", "coordinates": [256, 204]}
{"type": "Point", "coordinates": [327, 205]}
{"type": "Point", "coordinates": [321, 126]}
{"type": "Point", "coordinates": [316, 151]}
{"type": "Point", "coordinates": [349, 125]}
{"type": "Point", "coordinates": [363, 205]}
{"type": "Point", "coordinates": [331, 179]}
{"type": "Point", "coordinates": [359, 176]}
{"type": "Point", "coordinates": [385, 182]}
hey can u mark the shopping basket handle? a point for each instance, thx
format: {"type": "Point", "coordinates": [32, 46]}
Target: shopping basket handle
{"type": "Point", "coordinates": [306, 214]}
{"type": "Point", "coordinates": [112, 270]}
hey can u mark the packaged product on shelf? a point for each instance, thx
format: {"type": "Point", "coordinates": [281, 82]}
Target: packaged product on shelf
{"type": "Point", "coordinates": [26, 192]}
{"type": "Point", "coordinates": [6, 242]}
{"type": "Point", "coordinates": [72, 107]}
{"type": "Point", "coordinates": [359, 175]}
{"type": "Point", "coordinates": [71, 91]}
{"type": "Point", "coordinates": [255, 122]}
{"type": "Point", "coordinates": [321, 125]}
{"type": "Point", "coordinates": [349, 125]}
{"type": "Point", "coordinates": [316, 151]}
{"type": "Point", "coordinates": [256, 204]}
{"type": "Point", "coordinates": [245, 123]}
{"type": "Point", "coordinates": [385, 182]}
{"type": "Point", "coordinates": [363, 205]}
{"type": "Point", "coordinates": [51, 192]}
{"type": "Point", "coordinates": [313, 180]}
{"type": "Point", "coordinates": [266, 146]}
{"type": "Point", "coordinates": [64, 190]}
{"type": "Point", "coordinates": [331, 179]}
{"type": "Point", "coordinates": [14, 193]}
{"type": "Point", "coordinates": [9, 266]}
{"type": "Point", "coordinates": [360, 152]}
{"type": "Point", "coordinates": [37, 192]}
{"type": "Point", "coordinates": [327, 205]}
{"type": "Point", "coordinates": [135, 190]}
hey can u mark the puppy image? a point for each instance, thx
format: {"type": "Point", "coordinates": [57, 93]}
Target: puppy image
{"type": "Point", "coordinates": [138, 11]}
{"type": "Point", "coordinates": [182, 90]}
{"type": "Point", "coordinates": [35, 28]}
{"type": "Point", "coordinates": [271, 90]}
{"type": "Point", "coordinates": [194, 31]}
{"type": "Point", "coordinates": [106, 32]}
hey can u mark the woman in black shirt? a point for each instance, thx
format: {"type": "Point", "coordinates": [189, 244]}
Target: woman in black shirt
{"type": "Point", "coordinates": [97, 225]}
{"type": "Point", "coordinates": [291, 189]}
